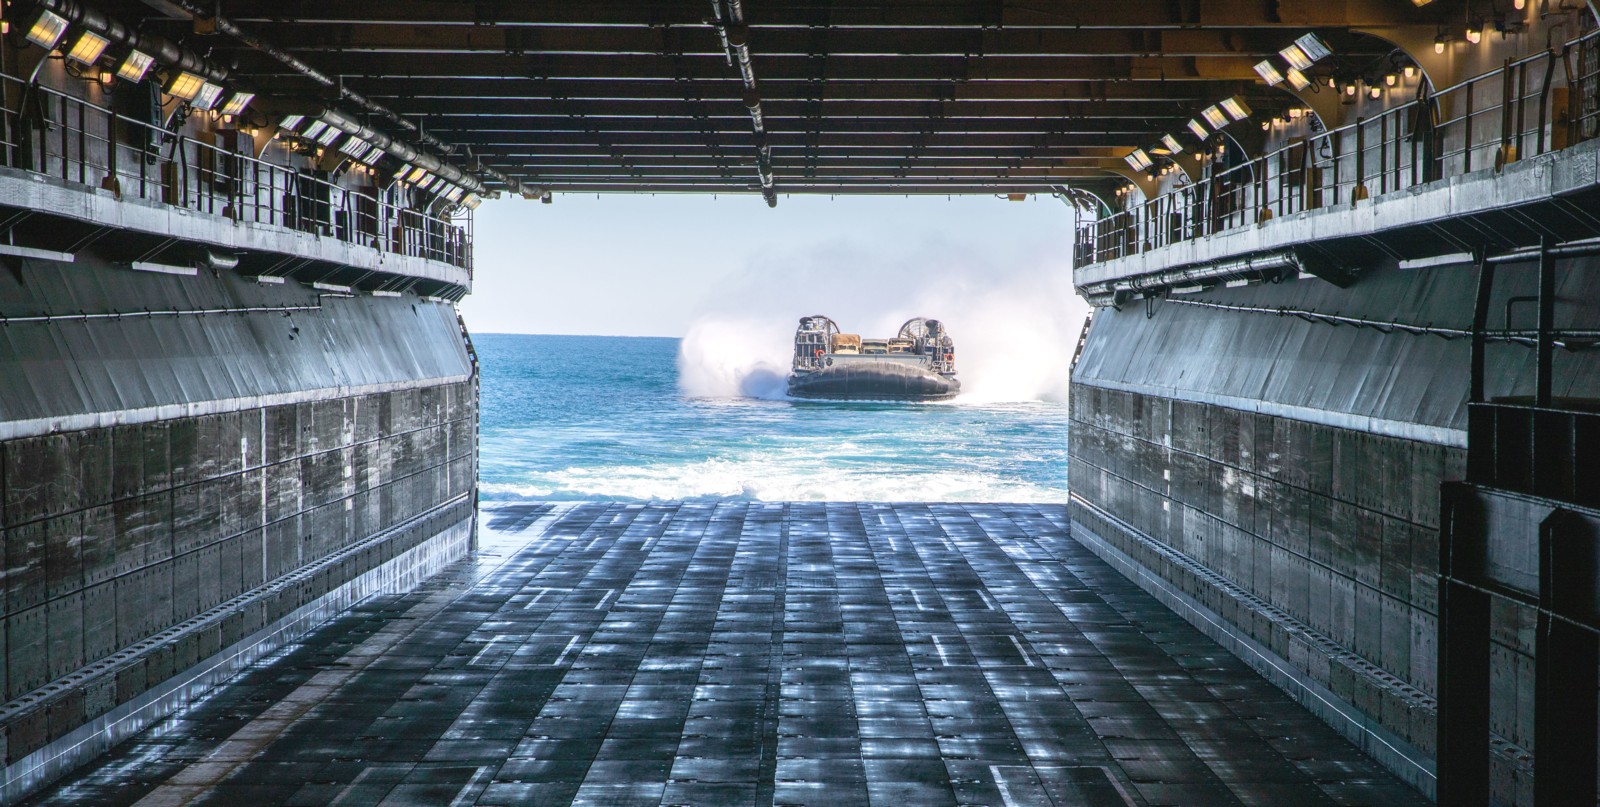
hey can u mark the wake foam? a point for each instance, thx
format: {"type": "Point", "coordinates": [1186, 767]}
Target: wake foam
{"type": "Point", "coordinates": [1015, 326]}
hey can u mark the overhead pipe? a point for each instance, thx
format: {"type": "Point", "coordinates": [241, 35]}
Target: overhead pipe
{"type": "Point", "coordinates": [735, 37]}
{"type": "Point", "coordinates": [1115, 292]}
{"type": "Point", "coordinates": [199, 12]}
{"type": "Point", "coordinates": [162, 49]}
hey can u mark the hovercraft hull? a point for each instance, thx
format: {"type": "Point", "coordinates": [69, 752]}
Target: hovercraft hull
{"type": "Point", "coordinates": [873, 381]}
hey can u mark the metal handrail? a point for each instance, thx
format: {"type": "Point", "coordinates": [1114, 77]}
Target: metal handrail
{"type": "Point", "coordinates": [76, 140]}
{"type": "Point", "coordinates": [1401, 147]}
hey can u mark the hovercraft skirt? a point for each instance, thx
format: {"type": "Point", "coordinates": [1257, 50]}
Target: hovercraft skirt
{"type": "Point", "coordinates": [873, 381]}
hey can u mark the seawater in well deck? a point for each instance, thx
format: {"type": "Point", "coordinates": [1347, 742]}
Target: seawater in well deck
{"type": "Point", "coordinates": [751, 653]}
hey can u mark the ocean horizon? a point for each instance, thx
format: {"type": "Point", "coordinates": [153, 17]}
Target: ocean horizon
{"type": "Point", "coordinates": [568, 418]}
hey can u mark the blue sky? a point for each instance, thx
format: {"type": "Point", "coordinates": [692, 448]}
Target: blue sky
{"type": "Point", "coordinates": [642, 265]}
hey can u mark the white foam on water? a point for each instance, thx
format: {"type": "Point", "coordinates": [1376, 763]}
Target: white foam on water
{"type": "Point", "coordinates": [767, 480]}
{"type": "Point", "coordinates": [1015, 326]}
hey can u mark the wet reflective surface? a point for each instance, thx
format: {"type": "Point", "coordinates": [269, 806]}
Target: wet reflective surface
{"type": "Point", "coordinates": [749, 653]}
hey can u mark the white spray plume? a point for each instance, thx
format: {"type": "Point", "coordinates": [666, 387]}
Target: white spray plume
{"type": "Point", "coordinates": [1015, 324]}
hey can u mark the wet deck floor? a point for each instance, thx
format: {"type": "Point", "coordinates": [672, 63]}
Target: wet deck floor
{"type": "Point", "coordinates": [749, 653]}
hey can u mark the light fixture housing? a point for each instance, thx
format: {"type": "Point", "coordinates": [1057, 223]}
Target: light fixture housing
{"type": "Point", "coordinates": [1295, 113]}
{"type": "Point", "coordinates": [1438, 44]}
{"type": "Point", "coordinates": [1390, 79]}
{"type": "Point", "coordinates": [1172, 144]}
{"type": "Point", "coordinates": [135, 66]}
{"type": "Point", "coordinates": [454, 194]}
{"type": "Point", "coordinates": [89, 48]}
{"type": "Point", "coordinates": [47, 29]}
{"type": "Point", "coordinates": [1236, 108]}
{"type": "Point", "coordinates": [185, 86]}
{"type": "Point", "coordinates": [291, 122]}
{"type": "Point", "coordinates": [237, 103]}
{"type": "Point", "coordinates": [1375, 91]}
{"type": "Point", "coordinates": [1313, 47]}
{"type": "Point", "coordinates": [1475, 32]}
{"type": "Point", "coordinates": [1410, 71]}
{"type": "Point", "coordinates": [1420, 3]}
{"type": "Point", "coordinates": [329, 135]}
{"type": "Point", "coordinates": [1215, 116]}
{"type": "Point", "coordinates": [1269, 72]}
{"type": "Point", "coordinates": [1139, 160]}
{"type": "Point", "coordinates": [1198, 129]}
{"type": "Point", "coordinates": [208, 96]}
{"type": "Point", "coordinates": [472, 201]}
{"type": "Point", "coordinates": [418, 174]}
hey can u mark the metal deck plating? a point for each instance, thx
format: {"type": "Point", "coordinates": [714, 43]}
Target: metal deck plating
{"type": "Point", "coordinates": [752, 653]}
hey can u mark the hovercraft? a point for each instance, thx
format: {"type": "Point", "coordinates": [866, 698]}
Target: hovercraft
{"type": "Point", "coordinates": [918, 364]}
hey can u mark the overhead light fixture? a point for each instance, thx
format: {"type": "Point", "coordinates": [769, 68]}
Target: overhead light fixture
{"type": "Point", "coordinates": [400, 173]}
{"type": "Point", "coordinates": [1390, 79]}
{"type": "Point", "coordinates": [237, 103]}
{"type": "Point", "coordinates": [291, 122]}
{"type": "Point", "coordinates": [47, 29]}
{"type": "Point", "coordinates": [1215, 116]}
{"type": "Point", "coordinates": [418, 174]}
{"type": "Point", "coordinates": [1197, 129]}
{"type": "Point", "coordinates": [206, 99]}
{"type": "Point", "coordinates": [135, 66]}
{"type": "Point", "coordinates": [1313, 47]}
{"type": "Point", "coordinates": [1375, 91]}
{"type": "Point", "coordinates": [1438, 44]}
{"type": "Point", "coordinates": [1350, 89]}
{"type": "Point", "coordinates": [1474, 32]}
{"type": "Point", "coordinates": [1295, 113]}
{"type": "Point", "coordinates": [1298, 79]}
{"type": "Point", "coordinates": [354, 147]}
{"type": "Point", "coordinates": [1421, 3]}
{"type": "Point", "coordinates": [472, 201]}
{"type": "Point", "coordinates": [328, 136]}
{"type": "Point", "coordinates": [1269, 72]}
{"type": "Point", "coordinates": [314, 130]}
{"type": "Point", "coordinates": [1139, 160]}
{"type": "Point", "coordinates": [1266, 125]}
{"type": "Point", "coordinates": [1410, 71]}
{"type": "Point", "coordinates": [185, 86]}
{"type": "Point", "coordinates": [1172, 144]}
{"type": "Point", "coordinates": [1236, 108]}
{"type": "Point", "coordinates": [454, 194]}
{"type": "Point", "coordinates": [89, 48]}
{"type": "Point", "coordinates": [1296, 57]}
{"type": "Point", "coordinates": [1519, 4]}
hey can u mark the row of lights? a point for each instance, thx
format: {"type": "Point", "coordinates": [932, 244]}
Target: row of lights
{"type": "Point", "coordinates": [1299, 56]}
{"type": "Point", "coordinates": [49, 28]}
{"type": "Point", "coordinates": [367, 156]}
{"type": "Point", "coordinates": [1217, 116]}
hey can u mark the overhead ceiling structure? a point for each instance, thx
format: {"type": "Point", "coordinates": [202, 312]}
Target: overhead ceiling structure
{"type": "Point", "coordinates": [786, 96]}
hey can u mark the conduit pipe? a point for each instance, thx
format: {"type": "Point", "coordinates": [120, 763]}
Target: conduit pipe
{"type": "Point", "coordinates": [1116, 292]}
{"type": "Point", "coordinates": [165, 51]}
{"type": "Point", "coordinates": [736, 37]}
{"type": "Point", "coordinates": [223, 24]}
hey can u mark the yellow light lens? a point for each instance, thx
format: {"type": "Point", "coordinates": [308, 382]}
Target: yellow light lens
{"type": "Point", "coordinates": [135, 66]}
{"type": "Point", "coordinates": [185, 86]}
{"type": "Point", "coordinates": [1298, 79]}
{"type": "Point", "coordinates": [237, 103]}
{"type": "Point", "coordinates": [88, 48]}
{"type": "Point", "coordinates": [47, 29]}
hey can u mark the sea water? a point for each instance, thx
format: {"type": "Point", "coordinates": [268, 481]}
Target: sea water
{"type": "Point", "coordinates": [595, 417]}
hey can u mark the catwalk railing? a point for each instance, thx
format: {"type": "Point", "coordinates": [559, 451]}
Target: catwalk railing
{"type": "Point", "coordinates": [1514, 112]}
{"type": "Point", "coordinates": [52, 133]}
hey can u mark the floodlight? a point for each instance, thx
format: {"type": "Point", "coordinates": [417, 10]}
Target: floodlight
{"type": "Point", "coordinates": [1215, 116]}
{"type": "Point", "coordinates": [185, 86]}
{"type": "Point", "coordinates": [207, 97]}
{"type": "Point", "coordinates": [1236, 108]}
{"type": "Point", "coordinates": [237, 103]}
{"type": "Point", "coordinates": [291, 122]}
{"type": "Point", "coordinates": [1139, 160]}
{"type": "Point", "coordinates": [1314, 48]}
{"type": "Point", "coordinates": [1298, 79]}
{"type": "Point", "coordinates": [47, 29]}
{"type": "Point", "coordinates": [1198, 129]}
{"type": "Point", "coordinates": [328, 136]}
{"type": "Point", "coordinates": [89, 48]}
{"type": "Point", "coordinates": [1172, 144]}
{"type": "Point", "coordinates": [1269, 72]}
{"type": "Point", "coordinates": [135, 66]}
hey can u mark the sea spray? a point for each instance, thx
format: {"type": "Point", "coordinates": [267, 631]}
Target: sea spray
{"type": "Point", "coordinates": [1015, 324]}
